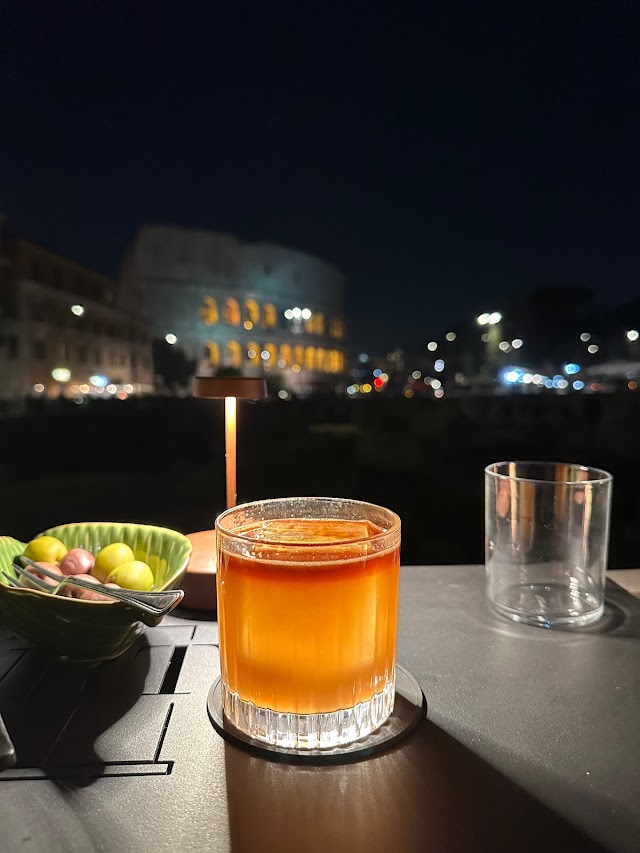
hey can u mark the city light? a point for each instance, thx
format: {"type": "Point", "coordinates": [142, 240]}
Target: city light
{"type": "Point", "coordinates": [578, 385]}
{"type": "Point", "coordinates": [288, 315]}
{"type": "Point", "coordinates": [632, 385]}
{"type": "Point", "coordinates": [38, 387]}
{"type": "Point", "coordinates": [439, 365]}
{"type": "Point", "coordinates": [438, 393]}
{"type": "Point", "coordinates": [99, 380]}
{"type": "Point", "coordinates": [248, 325]}
{"type": "Point", "coordinates": [408, 393]}
{"type": "Point", "coordinates": [511, 376]}
{"type": "Point", "coordinates": [562, 383]}
{"type": "Point", "coordinates": [61, 374]}
{"type": "Point", "coordinates": [483, 319]}
{"type": "Point", "coordinates": [265, 355]}
{"type": "Point", "coordinates": [306, 314]}
{"type": "Point", "coordinates": [251, 353]}
{"type": "Point", "coordinates": [363, 358]}
{"type": "Point", "coordinates": [366, 388]}
{"type": "Point", "coordinates": [384, 377]}
{"type": "Point", "coordinates": [495, 317]}
{"type": "Point", "coordinates": [416, 374]}
{"type": "Point", "coordinates": [111, 389]}
{"type": "Point", "coordinates": [296, 313]}
{"type": "Point", "coordinates": [516, 343]}
{"type": "Point", "coordinates": [435, 384]}
{"type": "Point", "coordinates": [633, 335]}
{"type": "Point", "coordinates": [451, 336]}
{"type": "Point", "coordinates": [378, 383]}
{"type": "Point", "coordinates": [593, 349]}
{"type": "Point", "coordinates": [282, 394]}
{"type": "Point", "coordinates": [84, 388]}
{"type": "Point", "coordinates": [78, 310]}
{"type": "Point", "coordinates": [571, 368]}
{"type": "Point", "coordinates": [171, 338]}
{"type": "Point", "coordinates": [585, 336]}
{"type": "Point", "coordinates": [351, 389]}
{"type": "Point", "coordinates": [505, 346]}
{"type": "Point", "coordinates": [377, 371]}
{"type": "Point", "coordinates": [432, 346]}
{"type": "Point", "coordinates": [296, 368]}
{"type": "Point", "coordinates": [484, 338]}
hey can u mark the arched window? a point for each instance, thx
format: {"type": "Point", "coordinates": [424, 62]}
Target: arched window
{"type": "Point", "coordinates": [232, 354]}
{"type": "Point", "coordinates": [253, 353]}
{"type": "Point", "coordinates": [336, 328]}
{"type": "Point", "coordinates": [310, 358]}
{"type": "Point", "coordinates": [252, 311]}
{"type": "Point", "coordinates": [319, 361]}
{"type": "Point", "coordinates": [269, 315]}
{"type": "Point", "coordinates": [213, 353]}
{"type": "Point", "coordinates": [286, 354]}
{"type": "Point", "coordinates": [231, 312]}
{"type": "Point", "coordinates": [298, 355]}
{"type": "Point", "coordinates": [209, 311]}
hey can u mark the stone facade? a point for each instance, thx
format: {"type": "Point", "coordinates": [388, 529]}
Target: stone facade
{"type": "Point", "coordinates": [60, 319]}
{"type": "Point", "coordinates": [259, 308]}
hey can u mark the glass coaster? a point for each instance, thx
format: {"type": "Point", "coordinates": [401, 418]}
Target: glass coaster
{"type": "Point", "coordinates": [409, 708]}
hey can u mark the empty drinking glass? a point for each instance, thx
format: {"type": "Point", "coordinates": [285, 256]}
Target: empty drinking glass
{"type": "Point", "coordinates": [547, 537]}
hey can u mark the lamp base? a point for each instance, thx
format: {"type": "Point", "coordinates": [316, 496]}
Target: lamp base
{"type": "Point", "coordinates": [199, 582]}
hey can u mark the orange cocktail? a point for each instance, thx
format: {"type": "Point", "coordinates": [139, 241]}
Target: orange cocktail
{"type": "Point", "coordinates": [307, 609]}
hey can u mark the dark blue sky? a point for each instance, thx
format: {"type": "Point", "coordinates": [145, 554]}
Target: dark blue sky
{"type": "Point", "coordinates": [442, 154]}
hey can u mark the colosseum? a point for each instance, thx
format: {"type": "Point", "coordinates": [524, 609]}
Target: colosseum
{"type": "Point", "coordinates": [259, 308]}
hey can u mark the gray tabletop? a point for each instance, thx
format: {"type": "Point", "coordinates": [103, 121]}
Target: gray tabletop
{"type": "Point", "coordinates": [531, 742]}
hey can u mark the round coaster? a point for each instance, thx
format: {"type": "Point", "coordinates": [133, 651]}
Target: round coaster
{"type": "Point", "coordinates": [409, 708]}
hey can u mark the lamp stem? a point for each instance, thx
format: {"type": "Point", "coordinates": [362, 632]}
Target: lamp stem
{"type": "Point", "coordinates": [230, 449]}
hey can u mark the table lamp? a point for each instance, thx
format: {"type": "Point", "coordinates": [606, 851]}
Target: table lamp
{"type": "Point", "coordinates": [199, 581]}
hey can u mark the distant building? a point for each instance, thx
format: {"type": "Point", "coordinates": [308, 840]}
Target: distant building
{"type": "Point", "coordinates": [258, 308]}
{"type": "Point", "coordinates": [60, 330]}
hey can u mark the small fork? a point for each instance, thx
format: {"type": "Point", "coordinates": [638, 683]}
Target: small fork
{"type": "Point", "coordinates": [152, 603]}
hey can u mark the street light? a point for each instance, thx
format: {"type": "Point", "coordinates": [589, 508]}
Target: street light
{"type": "Point", "coordinates": [633, 335]}
{"type": "Point", "coordinates": [491, 319]}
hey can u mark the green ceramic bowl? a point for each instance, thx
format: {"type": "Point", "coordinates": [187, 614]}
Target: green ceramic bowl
{"type": "Point", "coordinates": [77, 630]}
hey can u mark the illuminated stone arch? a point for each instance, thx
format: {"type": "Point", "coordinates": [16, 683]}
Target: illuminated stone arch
{"type": "Point", "coordinates": [209, 311]}
{"type": "Point", "coordinates": [232, 354]}
{"type": "Point", "coordinates": [310, 358]}
{"type": "Point", "coordinates": [298, 355]}
{"type": "Point", "coordinates": [213, 351]}
{"type": "Point", "coordinates": [252, 311]}
{"type": "Point", "coordinates": [273, 353]}
{"type": "Point", "coordinates": [286, 354]}
{"type": "Point", "coordinates": [270, 318]}
{"type": "Point", "coordinates": [231, 312]}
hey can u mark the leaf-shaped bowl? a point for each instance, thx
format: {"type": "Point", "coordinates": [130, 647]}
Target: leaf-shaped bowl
{"type": "Point", "coordinates": [78, 630]}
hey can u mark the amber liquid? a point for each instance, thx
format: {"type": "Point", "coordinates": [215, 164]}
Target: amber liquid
{"type": "Point", "coordinates": [310, 629]}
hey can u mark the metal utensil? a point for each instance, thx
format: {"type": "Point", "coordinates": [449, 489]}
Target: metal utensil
{"type": "Point", "coordinates": [152, 603]}
{"type": "Point", "coordinates": [7, 749]}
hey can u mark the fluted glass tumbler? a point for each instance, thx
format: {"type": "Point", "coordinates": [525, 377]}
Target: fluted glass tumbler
{"type": "Point", "coordinates": [546, 543]}
{"type": "Point", "coordinates": [308, 612]}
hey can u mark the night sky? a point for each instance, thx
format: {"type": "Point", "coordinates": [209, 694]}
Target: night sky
{"type": "Point", "coordinates": [441, 153]}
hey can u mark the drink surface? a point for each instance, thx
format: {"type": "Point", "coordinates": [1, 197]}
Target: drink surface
{"type": "Point", "coordinates": [312, 628]}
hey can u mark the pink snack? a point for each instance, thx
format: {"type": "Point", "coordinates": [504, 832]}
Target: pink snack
{"type": "Point", "coordinates": [77, 561]}
{"type": "Point", "coordinates": [88, 594]}
{"type": "Point", "coordinates": [52, 567]}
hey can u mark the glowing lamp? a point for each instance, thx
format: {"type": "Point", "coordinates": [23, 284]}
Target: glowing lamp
{"type": "Point", "coordinates": [230, 388]}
